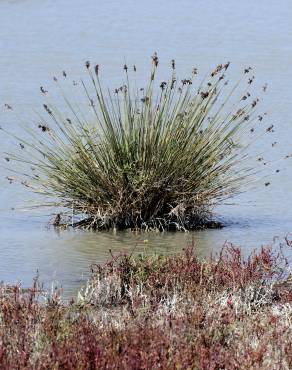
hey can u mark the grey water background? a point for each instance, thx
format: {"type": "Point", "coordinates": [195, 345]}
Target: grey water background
{"type": "Point", "coordinates": [40, 39]}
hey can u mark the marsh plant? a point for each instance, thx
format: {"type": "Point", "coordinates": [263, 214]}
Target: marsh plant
{"type": "Point", "coordinates": [158, 157]}
{"type": "Point", "coordinates": [157, 312]}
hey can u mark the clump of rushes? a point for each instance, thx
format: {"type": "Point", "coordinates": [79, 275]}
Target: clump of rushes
{"type": "Point", "coordinates": [159, 157]}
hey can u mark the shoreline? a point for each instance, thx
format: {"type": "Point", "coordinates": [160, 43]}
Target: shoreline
{"type": "Point", "coordinates": [174, 311]}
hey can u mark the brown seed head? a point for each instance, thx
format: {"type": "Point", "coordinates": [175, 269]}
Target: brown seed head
{"type": "Point", "coordinates": [270, 129]}
{"type": "Point", "coordinates": [163, 85]}
{"type": "Point", "coordinates": [145, 99]}
{"type": "Point", "coordinates": [204, 95]}
{"type": "Point", "coordinates": [186, 81]}
{"type": "Point", "coordinates": [47, 109]}
{"type": "Point", "coordinates": [173, 81]}
{"type": "Point", "coordinates": [155, 59]}
{"type": "Point", "coordinates": [43, 128]}
{"type": "Point", "coordinates": [217, 70]}
{"type": "Point", "coordinates": [43, 91]}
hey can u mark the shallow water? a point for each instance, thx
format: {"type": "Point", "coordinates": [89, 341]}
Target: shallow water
{"type": "Point", "coordinates": [40, 39]}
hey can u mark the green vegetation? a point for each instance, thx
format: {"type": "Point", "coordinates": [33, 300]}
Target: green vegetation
{"type": "Point", "coordinates": [163, 312]}
{"type": "Point", "coordinates": [159, 157]}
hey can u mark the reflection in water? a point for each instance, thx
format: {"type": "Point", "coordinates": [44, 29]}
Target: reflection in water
{"type": "Point", "coordinates": [65, 257]}
{"type": "Point", "coordinates": [40, 39]}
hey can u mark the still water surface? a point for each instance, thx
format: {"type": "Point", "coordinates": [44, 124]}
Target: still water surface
{"type": "Point", "coordinates": [40, 39]}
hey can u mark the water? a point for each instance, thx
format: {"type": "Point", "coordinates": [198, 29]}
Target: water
{"type": "Point", "coordinates": [40, 39]}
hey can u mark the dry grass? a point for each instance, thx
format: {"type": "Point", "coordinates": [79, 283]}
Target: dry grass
{"type": "Point", "coordinates": [175, 312]}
